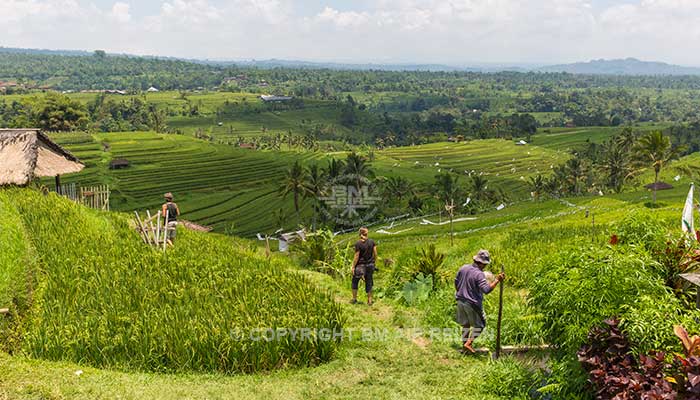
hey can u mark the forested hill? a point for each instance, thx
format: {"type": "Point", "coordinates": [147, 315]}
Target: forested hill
{"type": "Point", "coordinates": [100, 71]}
{"type": "Point", "coordinates": [60, 70]}
{"type": "Point", "coordinates": [627, 66]}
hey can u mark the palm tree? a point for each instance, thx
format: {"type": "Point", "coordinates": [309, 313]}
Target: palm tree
{"type": "Point", "coordinates": [575, 172]}
{"type": "Point", "coordinates": [446, 187]}
{"type": "Point", "coordinates": [294, 182]}
{"type": "Point", "coordinates": [654, 149]}
{"type": "Point", "coordinates": [315, 188]}
{"type": "Point", "coordinates": [335, 169]}
{"type": "Point", "coordinates": [616, 163]}
{"type": "Point", "coordinates": [626, 138]}
{"type": "Point", "coordinates": [357, 168]}
{"type": "Point", "coordinates": [480, 188]}
{"type": "Point", "coordinates": [398, 187]}
{"type": "Point", "coordinates": [537, 186]}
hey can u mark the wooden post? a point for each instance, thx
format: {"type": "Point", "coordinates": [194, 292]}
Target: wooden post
{"type": "Point", "coordinates": [144, 235]}
{"type": "Point", "coordinates": [500, 315]}
{"type": "Point", "coordinates": [158, 227]}
{"type": "Point", "coordinates": [58, 184]}
{"type": "Point", "coordinates": [165, 233]}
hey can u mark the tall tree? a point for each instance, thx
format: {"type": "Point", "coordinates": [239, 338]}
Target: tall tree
{"type": "Point", "coordinates": [295, 183]}
{"type": "Point", "coordinates": [617, 164]}
{"type": "Point", "coordinates": [357, 169]}
{"type": "Point", "coordinates": [654, 150]}
{"type": "Point", "coordinates": [334, 169]}
{"type": "Point", "coordinates": [537, 186]}
{"type": "Point", "coordinates": [315, 188]}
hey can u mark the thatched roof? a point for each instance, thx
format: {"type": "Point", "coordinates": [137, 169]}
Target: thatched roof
{"type": "Point", "coordinates": [659, 186]}
{"type": "Point", "coordinates": [26, 154]}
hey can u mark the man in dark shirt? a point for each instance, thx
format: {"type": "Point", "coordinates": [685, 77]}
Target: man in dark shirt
{"type": "Point", "coordinates": [470, 287]}
{"type": "Point", "coordinates": [171, 211]}
{"type": "Point", "coordinates": [363, 265]}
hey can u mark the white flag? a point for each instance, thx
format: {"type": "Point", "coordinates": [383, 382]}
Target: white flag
{"type": "Point", "coordinates": [688, 225]}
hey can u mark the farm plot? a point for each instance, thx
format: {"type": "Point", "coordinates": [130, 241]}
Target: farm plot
{"type": "Point", "coordinates": [499, 161]}
{"type": "Point", "coordinates": [233, 190]}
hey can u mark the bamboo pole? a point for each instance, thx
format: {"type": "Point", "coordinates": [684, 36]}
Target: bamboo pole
{"type": "Point", "coordinates": [165, 233]}
{"type": "Point", "coordinates": [150, 225]}
{"type": "Point", "coordinates": [500, 316]}
{"type": "Point", "coordinates": [158, 228]}
{"type": "Point", "coordinates": [142, 230]}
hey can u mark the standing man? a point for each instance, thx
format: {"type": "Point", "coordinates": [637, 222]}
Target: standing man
{"type": "Point", "coordinates": [172, 211]}
{"type": "Point", "coordinates": [363, 265]}
{"type": "Point", "coordinates": [470, 287]}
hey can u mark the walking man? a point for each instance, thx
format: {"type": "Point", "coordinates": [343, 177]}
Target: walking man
{"type": "Point", "coordinates": [470, 287]}
{"type": "Point", "coordinates": [171, 211]}
{"type": "Point", "coordinates": [363, 265]}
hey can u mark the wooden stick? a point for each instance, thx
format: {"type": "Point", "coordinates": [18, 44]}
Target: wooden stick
{"type": "Point", "coordinates": [153, 228]}
{"type": "Point", "coordinates": [165, 232]}
{"type": "Point", "coordinates": [158, 228]}
{"type": "Point", "coordinates": [500, 315]}
{"type": "Point", "coordinates": [142, 230]}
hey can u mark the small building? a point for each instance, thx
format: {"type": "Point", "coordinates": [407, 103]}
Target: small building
{"type": "Point", "coordinates": [249, 146]}
{"type": "Point", "coordinates": [119, 163]}
{"type": "Point", "coordinates": [659, 186]}
{"type": "Point", "coordinates": [152, 90]}
{"type": "Point", "coordinates": [275, 99]}
{"type": "Point", "coordinates": [26, 154]}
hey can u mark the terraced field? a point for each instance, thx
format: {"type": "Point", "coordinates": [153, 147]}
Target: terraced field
{"type": "Point", "coordinates": [501, 162]}
{"type": "Point", "coordinates": [233, 190]}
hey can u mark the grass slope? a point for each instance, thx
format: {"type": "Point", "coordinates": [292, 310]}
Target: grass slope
{"type": "Point", "coordinates": [104, 298]}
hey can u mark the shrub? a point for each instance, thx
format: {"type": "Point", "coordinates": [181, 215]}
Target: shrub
{"type": "Point", "coordinates": [429, 262]}
{"type": "Point", "coordinates": [509, 378]}
{"type": "Point", "coordinates": [320, 252]}
{"type": "Point", "coordinates": [615, 373]}
{"type": "Point", "coordinates": [578, 288]}
{"type": "Point", "coordinates": [641, 228]}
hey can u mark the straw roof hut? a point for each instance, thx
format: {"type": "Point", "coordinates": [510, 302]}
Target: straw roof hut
{"type": "Point", "coordinates": [26, 154]}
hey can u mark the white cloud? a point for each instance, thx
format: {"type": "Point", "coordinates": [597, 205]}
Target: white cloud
{"type": "Point", "coordinates": [120, 12]}
{"type": "Point", "coordinates": [448, 31]}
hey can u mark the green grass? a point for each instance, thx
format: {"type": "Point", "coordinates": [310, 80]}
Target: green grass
{"type": "Point", "coordinates": [106, 299]}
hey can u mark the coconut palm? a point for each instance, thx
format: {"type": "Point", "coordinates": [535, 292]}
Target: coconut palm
{"type": "Point", "coordinates": [537, 186]}
{"type": "Point", "coordinates": [334, 169]}
{"type": "Point", "coordinates": [295, 183]}
{"type": "Point", "coordinates": [397, 187]}
{"type": "Point", "coordinates": [315, 188]}
{"type": "Point", "coordinates": [654, 150]}
{"type": "Point", "coordinates": [357, 168]}
{"type": "Point", "coordinates": [480, 188]}
{"type": "Point", "coordinates": [446, 187]}
{"type": "Point", "coordinates": [626, 138]}
{"type": "Point", "coordinates": [617, 164]}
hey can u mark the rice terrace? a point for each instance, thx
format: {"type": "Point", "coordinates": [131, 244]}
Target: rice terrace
{"type": "Point", "coordinates": [213, 206]}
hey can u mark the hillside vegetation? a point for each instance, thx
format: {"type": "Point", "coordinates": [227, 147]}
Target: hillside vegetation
{"type": "Point", "coordinates": [84, 288]}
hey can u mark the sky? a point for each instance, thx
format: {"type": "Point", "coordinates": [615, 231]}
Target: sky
{"type": "Point", "coordinates": [454, 32]}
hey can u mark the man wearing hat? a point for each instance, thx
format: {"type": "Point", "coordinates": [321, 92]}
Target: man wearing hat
{"type": "Point", "coordinates": [470, 287]}
{"type": "Point", "coordinates": [172, 211]}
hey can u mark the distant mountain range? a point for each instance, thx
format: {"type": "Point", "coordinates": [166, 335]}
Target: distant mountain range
{"type": "Point", "coordinates": [626, 66]}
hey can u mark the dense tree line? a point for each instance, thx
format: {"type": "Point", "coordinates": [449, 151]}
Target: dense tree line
{"type": "Point", "coordinates": [609, 166]}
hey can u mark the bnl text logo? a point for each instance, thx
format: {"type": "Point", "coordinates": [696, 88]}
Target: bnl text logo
{"type": "Point", "coordinates": [350, 199]}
